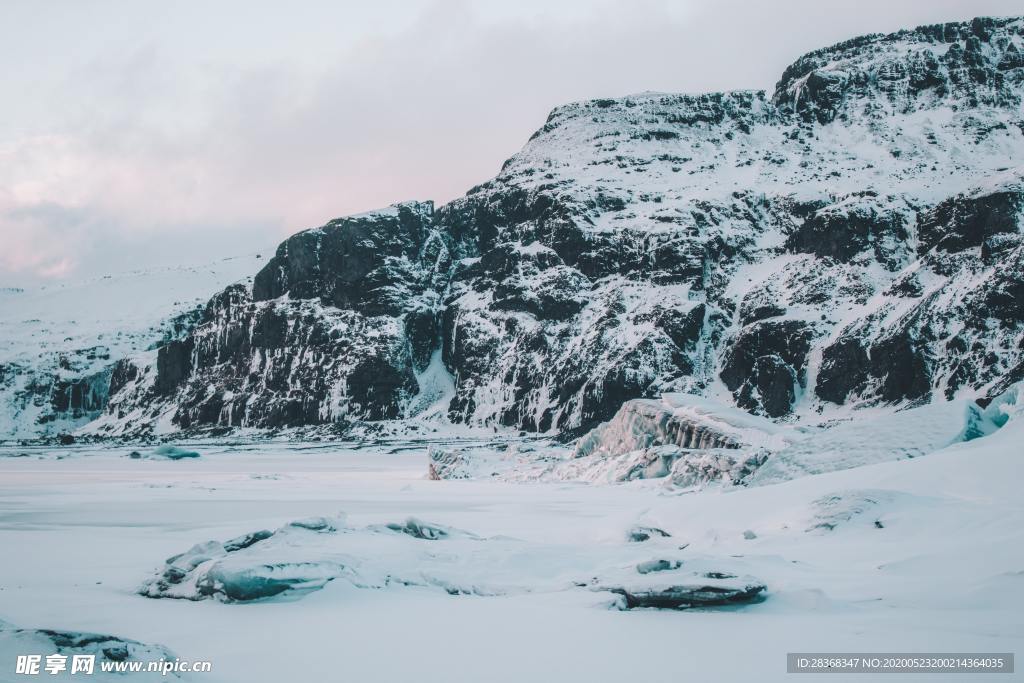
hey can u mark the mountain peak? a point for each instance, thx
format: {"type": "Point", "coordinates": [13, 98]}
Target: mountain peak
{"type": "Point", "coordinates": [965, 64]}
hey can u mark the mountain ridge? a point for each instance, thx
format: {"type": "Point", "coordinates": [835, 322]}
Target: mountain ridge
{"type": "Point", "coordinates": [854, 240]}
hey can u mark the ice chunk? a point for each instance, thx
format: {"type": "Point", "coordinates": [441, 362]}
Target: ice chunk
{"type": "Point", "coordinates": [658, 566]}
{"type": "Point", "coordinates": [321, 524]}
{"type": "Point", "coordinates": [247, 583]}
{"type": "Point", "coordinates": [105, 648]}
{"type": "Point", "coordinates": [639, 534]}
{"type": "Point", "coordinates": [1006, 406]}
{"type": "Point", "coordinates": [516, 459]}
{"type": "Point", "coordinates": [697, 468]}
{"type": "Point", "coordinates": [173, 452]}
{"type": "Point", "coordinates": [243, 542]}
{"type": "Point", "coordinates": [428, 532]}
{"type": "Point", "coordinates": [448, 464]}
{"type": "Point", "coordinates": [681, 420]}
{"type": "Point", "coordinates": [197, 554]}
{"type": "Point", "coordinates": [709, 589]}
{"type": "Point", "coordinates": [697, 581]}
{"type": "Point", "coordinates": [206, 571]}
{"type": "Point", "coordinates": [294, 561]}
{"type": "Point", "coordinates": [686, 467]}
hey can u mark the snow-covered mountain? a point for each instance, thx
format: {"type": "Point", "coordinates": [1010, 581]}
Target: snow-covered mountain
{"type": "Point", "coordinates": [58, 343]}
{"type": "Point", "coordinates": [852, 240]}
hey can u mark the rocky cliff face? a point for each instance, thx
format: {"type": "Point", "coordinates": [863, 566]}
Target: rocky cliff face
{"type": "Point", "coordinates": [334, 328]}
{"type": "Point", "coordinates": [853, 239]}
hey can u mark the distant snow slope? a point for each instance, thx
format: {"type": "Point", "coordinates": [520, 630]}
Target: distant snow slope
{"type": "Point", "coordinates": [58, 342]}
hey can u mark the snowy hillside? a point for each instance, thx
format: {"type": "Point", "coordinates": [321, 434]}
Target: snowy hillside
{"type": "Point", "coordinates": [58, 342]}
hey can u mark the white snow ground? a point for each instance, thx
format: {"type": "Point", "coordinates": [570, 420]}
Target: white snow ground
{"type": "Point", "coordinates": [82, 528]}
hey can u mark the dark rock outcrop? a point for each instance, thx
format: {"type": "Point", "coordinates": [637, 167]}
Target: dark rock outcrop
{"type": "Point", "coordinates": [363, 263]}
{"type": "Point", "coordinates": [81, 396]}
{"type": "Point", "coordinates": [844, 365]}
{"type": "Point", "coordinates": [969, 221]}
{"type": "Point", "coordinates": [173, 365]}
{"type": "Point", "coordinates": [335, 327]}
{"type": "Point", "coordinates": [765, 363]}
{"type": "Point", "coordinates": [847, 228]}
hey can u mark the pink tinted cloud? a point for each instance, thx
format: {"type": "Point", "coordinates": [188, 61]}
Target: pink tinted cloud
{"type": "Point", "coordinates": [149, 156]}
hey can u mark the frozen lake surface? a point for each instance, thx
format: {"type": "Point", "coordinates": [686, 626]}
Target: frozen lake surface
{"type": "Point", "coordinates": [919, 555]}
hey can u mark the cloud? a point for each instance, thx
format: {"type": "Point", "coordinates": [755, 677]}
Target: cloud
{"type": "Point", "coordinates": [39, 237]}
{"type": "Point", "coordinates": [209, 132]}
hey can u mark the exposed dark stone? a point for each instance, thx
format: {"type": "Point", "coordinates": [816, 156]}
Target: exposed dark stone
{"type": "Point", "coordinates": [423, 328]}
{"type": "Point", "coordinates": [907, 286]}
{"type": "Point", "coordinates": [1014, 375]}
{"type": "Point", "coordinates": [751, 312]}
{"type": "Point", "coordinates": [82, 395]}
{"type": "Point", "coordinates": [349, 262]}
{"type": "Point", "coordinates": [822, 95]}
{"type": "Point", "coordinates": [1004, 299]}
{"type": "Point", "coordinates": [846, 229]}
{"type": "Point", "coordinates": [844, 366]}
{"type": "Point", "coordinates": [358, 320]}
{"type": "Point", "coordinates": [764, 364]}
{"type": "Point", "coordinates": [533, 281]}
{"type": "Point", "coordinates": [900, 362]}
{"type": "Point", "coordinates": [684, 328]}
{"type": "Point", "coordinates": [771, 387]}
{"type": "Point", "coordinates": [690, 595]}
{"type": "Point", "coordinates": [963, 222]}
{"type": "Point", "coordinates": [815, 89]}
{"type": "Point", "coordinates": [378, 386]}
{"type": "Point", "coordinates": [173, 365]}
{"type": "Point", "coordinates": [124, 371]}
{"type": "Point", "coordinates": [587, 384]}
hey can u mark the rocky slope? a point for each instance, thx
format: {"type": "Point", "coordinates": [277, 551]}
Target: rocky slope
{"type": "Point", "coordinates": [333, 328]}
{"type": "Point", "coordinates": [852, 239]}
{"type": "Point", "coordinates": [59, 343]}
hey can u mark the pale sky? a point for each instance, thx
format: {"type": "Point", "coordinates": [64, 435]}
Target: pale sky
{"type": "Point", "coordinates": [139, 133]}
